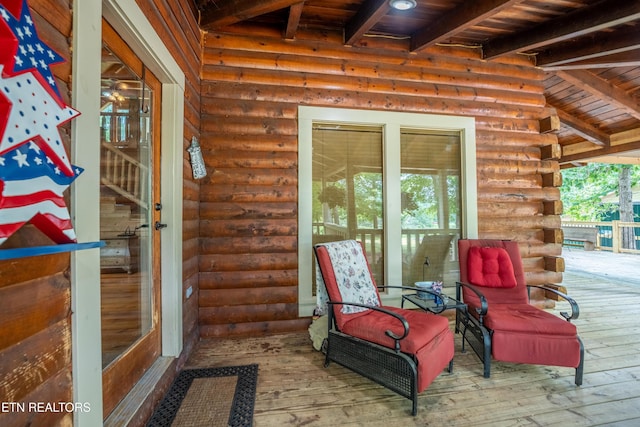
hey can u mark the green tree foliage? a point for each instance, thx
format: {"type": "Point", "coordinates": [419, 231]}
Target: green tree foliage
{"type": "Point", "coordinates": [583, 188]}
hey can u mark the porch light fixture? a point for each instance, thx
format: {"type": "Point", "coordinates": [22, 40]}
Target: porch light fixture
{"type": "Point", "coordinates": [402, 4]}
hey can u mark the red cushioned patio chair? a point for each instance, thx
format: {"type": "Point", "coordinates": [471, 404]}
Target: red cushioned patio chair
{"type": "Point", "coordinates": [501, 324]}
{"type": "Point", "coordinates": [403, 350]}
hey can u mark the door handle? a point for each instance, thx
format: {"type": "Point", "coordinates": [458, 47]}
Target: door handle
{"type": "Point", "coordinates": [160, 226]}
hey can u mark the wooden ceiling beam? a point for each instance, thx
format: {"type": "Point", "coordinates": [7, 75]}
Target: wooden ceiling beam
{"type": "Point", "coordinates": [582, 128]}
{"type": "Point", "coordinates": [587, 156]}
{"type": "Point", "coordinates": [604, 90]}
{"type": "Point", "coordinates": [235, 11]}
{"type": "Point", "coordinates": [620, 143]}
{"type": "Point", "coordinates": [588, 48]}
{"type": "Point", "coordinates": [624, 59]}
{"type": "Point", "coordinates": [458, 19]}
{"type": "Point", "coordinates": [602, 15]}
{"type": "Point", "coordinates": [367, 16]}
{"type": "Point", "coordinates": [295, 12]}
{"type": "Point", "coordinates": [617, 160]}
{"type": "Point", "coordinates": [629, 58]}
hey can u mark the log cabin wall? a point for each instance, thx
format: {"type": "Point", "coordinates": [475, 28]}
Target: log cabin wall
{"type": "Point", "coordinates": [35, 292]}
{"type": "Point", "coordinates": [251, 88]}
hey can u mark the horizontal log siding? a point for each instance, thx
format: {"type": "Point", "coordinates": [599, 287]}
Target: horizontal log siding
{"type": "Point", "coordinates": [251, 89]}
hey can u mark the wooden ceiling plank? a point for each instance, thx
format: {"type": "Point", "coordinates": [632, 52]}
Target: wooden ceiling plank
{"type": "Point", "coordinates": [457, 20]}
{"type": "Point", "coordinates": [239, 10]}
{"type": "Point", "coordinates": [367, 16]}
{"type": "Point", "coordinates": [589, 48]}
{"type": "Point", "coordinates": [295, 12]}
{"type": "Point", "coordinates": [580, 23]}
{"type": "Point", "coordinates": [602, 89]}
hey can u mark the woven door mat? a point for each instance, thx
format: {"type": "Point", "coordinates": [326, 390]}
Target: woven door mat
{"type": "Point", "coordinates": [209, 397]}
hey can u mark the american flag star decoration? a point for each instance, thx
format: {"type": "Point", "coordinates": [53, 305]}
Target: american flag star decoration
{"type": "Point", "coordinates": [31, 190]}
{"type": "Point", "coordinates": [35, 169]}
{"type": "Point", "coordinates": [34, 115]}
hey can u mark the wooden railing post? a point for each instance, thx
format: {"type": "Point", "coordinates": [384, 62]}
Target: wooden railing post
{"type": "Point", "coordinates": [616, 236]}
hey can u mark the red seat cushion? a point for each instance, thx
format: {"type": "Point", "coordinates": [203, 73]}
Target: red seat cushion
{"type": "Point", "coordinates": [525, 334]}
{"type": "Point", "coordinates": [430, 340]}
{"type": "Point", "coordinates": [490, 267]}
{"type": "Point", "coordinates": [423, 328]}
{"type": "Point", "coordinates": [528, 319]}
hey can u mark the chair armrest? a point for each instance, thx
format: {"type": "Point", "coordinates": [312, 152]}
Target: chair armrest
{"type": "Point", "coordinates": [484, 304]}
{"type": "Point", "coordinates": [389, 333]}
{"type": "Point", "coordinates": [575, 309]}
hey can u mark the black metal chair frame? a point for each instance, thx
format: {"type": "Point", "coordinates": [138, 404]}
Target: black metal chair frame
{"type": "Point", "coordinates": [480, 339]}
{"type": "Point", "coordinates": [388, 367]}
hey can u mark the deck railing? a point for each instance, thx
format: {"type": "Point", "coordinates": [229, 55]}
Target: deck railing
{"type": "Point", "coordinates": [372, 238]}
{"type": "Point", "coordinates": [610, 234]}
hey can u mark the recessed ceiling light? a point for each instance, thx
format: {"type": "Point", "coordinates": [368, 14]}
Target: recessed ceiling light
{"type": "Point", "coordinates": [403, 4]}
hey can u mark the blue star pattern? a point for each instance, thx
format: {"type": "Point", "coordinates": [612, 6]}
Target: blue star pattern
{"type": "Point", "coordinates": [32, 53]}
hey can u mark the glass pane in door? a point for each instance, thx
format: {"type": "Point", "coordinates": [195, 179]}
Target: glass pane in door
{"type": "Point", "coordinates": [430, 200]}
{"type": "Point", "coordinates": [347, 188]}
{"type": "Point", "coordinates": [125, 207]}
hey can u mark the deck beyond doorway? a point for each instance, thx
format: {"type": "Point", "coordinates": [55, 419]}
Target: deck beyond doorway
{"type": "Point", "coordinates": [295, 389]}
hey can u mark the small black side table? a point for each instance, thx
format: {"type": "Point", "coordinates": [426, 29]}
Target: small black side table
{"type": "Point", "coordinates": [431, 306]}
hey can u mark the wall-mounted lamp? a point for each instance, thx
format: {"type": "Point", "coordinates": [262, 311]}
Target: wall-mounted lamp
{"type": "Point", "coordinates": [197, 162]}
{"type": "Point", "coordinates": [403, 4]}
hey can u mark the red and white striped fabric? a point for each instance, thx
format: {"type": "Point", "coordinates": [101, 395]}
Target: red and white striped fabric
{"type": "Point", "coordinates": [31, 190]}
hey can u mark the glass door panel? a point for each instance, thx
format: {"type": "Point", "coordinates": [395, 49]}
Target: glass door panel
{"type": "Point", "coordinates": [430, 200]}
{"type": "Point", "coordinates": [129, 207]}
{"type": "Point", "coordinates": [125, 215]}
{"type": "Point", "coordinates": [347, 188]}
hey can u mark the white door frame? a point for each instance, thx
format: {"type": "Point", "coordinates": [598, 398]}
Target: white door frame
{"type": "Point", "coordinates": [129, 21]}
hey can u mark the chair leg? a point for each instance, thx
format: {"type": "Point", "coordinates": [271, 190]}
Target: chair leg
{"type": "Point", "coordinates": [580, 368]}
{"type": "Point", "coordinates": [487, 352]}
{"type": "Point", "coordinates": [451, 366]}
{"type": "Point", "coordinates": [464, 336]}
{"type": "Point", "coordinates": [327, 361]}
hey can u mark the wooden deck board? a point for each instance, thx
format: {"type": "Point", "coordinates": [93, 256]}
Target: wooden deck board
{"type": "Point", "coordinates": [294, 389]}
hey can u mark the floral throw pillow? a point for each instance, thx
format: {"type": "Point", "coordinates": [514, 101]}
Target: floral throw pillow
{"type": "Point", "coordinates": [352, 275]}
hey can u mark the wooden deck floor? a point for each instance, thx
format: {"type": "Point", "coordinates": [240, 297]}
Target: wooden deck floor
{"type": "Point", "coordinates": [294, 389]}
